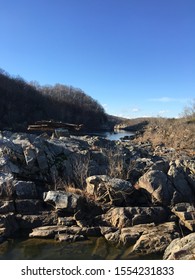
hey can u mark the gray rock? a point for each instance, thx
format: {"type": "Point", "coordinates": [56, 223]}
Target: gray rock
{"type": "Point", "coordinates": [9, 224]}
{"type": "Point", "coordinates": [128, 216]}
{"type": "Point", "coordinates": [105, 230]}
{"type": "Point", "coordinates": [66, 221]}
{"type": "Point", "coordinates": [6, 185]}
{"type": "Point", "coordinates": [4, 163]}
{"type": "Point", "coordinates": [186, 213]}
{"type": "Point", "coordinates": [13, 168]}
{"type": "Point", "coordinates": [64, 200]}
{"type": "Point", "coordinates": [25, 189]}
{"type": "Point", "coordinates": [94, 181]}
{"type": "Point", "coordinates": [32, 221]}
{"type": "Point", "coordinates": [191, 181]}
{"type": "Point", "coordinates": [94, 168]}
{"type": "Point", "coordinates": [161, 165]}
{"type": "Point", "coordinates": [129, 235]}
{"type": "Point", "coordinates": [157, 184]}
{"type": "Point", "coordinates": [51, 231]}
{"type": "Point", "coordinates": [91, 231]}
{"type": "Point", "coordinates": [113, 237]}
{"type": "Point", "coordinates": [7, 206]}
{"type": "Point", "coordinates": [10, 148]}
{"type": "Point", "coordinates": [178, 176]}
{"type": "Point", "coordinates": [143, 164]}
{"type": "Point", "coordinates": [59, 198]}
{"type": "Point", "coordinates": [111, 234]}
{"type": "Point", "coordinates": [60, 132]}
{"type": "Point", "coordinates": [57, 147]}
{"type": "Point", "coordinates": [174, 187]}
{"type": "Point", "coordinates": [108, 190]}
{"type": "Point", "coordinates": [47, 231]}
{"type": "Point", "coordinates": [30, 156]}
{"type": "Point", "coordinates": [117, 217]}
{"type": "Point", "coordinates": [29, 206]}
{"type": "Point", "coordinates": [22, 139]}
{"type": "Point", "coordinates": [42, 160]}
{"type": "Point", "coordinates": [154, 239]}
{"type": "Point", "coordinates": [100, 158]}
{"type": "Point", "coordinates": [98, 164]}
{"type": "Point", "coordinates": [64, 237]}
{"type": "Point", "coordinates": [181, 249]}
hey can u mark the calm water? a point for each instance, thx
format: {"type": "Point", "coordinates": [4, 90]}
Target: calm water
{"type": "Point", "coordinates": [47, 249]}
{"type": "Point", "coordinates": [114, 135]}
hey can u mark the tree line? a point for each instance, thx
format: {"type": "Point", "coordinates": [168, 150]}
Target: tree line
{"type": "Point", "coordinates": [23, 103]}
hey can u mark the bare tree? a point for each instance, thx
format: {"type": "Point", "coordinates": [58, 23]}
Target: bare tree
{"type": "Point", "coordinates": [189, 111]}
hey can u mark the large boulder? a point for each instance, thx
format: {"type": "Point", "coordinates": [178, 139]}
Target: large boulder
{"type": "Point", "coordinates": [155, 240]}
{"type": "Point", "coordinates": [143, 239]}
{"type": "Point", "coordinates": [181, 249]}
{"type": "Point", "coordinates": [107, 190]}
{"type": "Point", "coordinates": [122, 217]}
{"type": "Point", "coordinates": [171, 184]}
{"type": "Point", "coordinates": [69, 202]}
{"type": "Point", "coordinates": [157, 184]}
{"type": "Point", "coordinates": [181, 177]}
{"type": "Point", "coordinates": [117, 217]}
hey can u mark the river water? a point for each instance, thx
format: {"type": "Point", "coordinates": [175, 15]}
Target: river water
{"type": "Point", "coordinates": [49, 249]}
{"type": "Point", "coordinates": [112, 135]}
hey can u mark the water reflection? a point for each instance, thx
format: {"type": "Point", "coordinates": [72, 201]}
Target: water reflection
{"type": "Point", "coordinates": [94, 248]}
{"type": "Point", "coordinates": [47, 249]}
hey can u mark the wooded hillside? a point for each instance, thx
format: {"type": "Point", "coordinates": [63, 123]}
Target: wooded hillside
{"type": "Point", "coordinates": [23, 103]}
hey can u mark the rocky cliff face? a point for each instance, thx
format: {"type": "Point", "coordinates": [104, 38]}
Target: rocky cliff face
{"type": "Point", "coordinates": [75, 187]}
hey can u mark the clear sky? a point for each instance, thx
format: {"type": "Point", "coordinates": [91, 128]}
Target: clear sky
{"type": "Point", "coordinates": [136, 57]}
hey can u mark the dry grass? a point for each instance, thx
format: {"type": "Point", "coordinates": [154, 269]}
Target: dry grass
{"type": "Point", "coordinates": [173, 133]}
{"type": "Point", "coordinates": [70, 187]}
{"type": "Point", "coordinates": [80, 167]}
{"type": "Point", "coordinates": [117, 165]}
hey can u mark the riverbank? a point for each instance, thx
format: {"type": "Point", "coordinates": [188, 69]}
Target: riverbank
{"type": "Point", "coordinates": [177, 134]}
{"type": "Point", "coordinates": [74, 188]}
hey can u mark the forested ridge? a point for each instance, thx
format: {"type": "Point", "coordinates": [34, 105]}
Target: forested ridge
{"type": "Point", "coordinates": [24, 103]}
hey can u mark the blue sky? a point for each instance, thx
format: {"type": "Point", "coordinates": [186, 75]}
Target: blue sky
{"type": "Point", "coordinates": [136, 57]}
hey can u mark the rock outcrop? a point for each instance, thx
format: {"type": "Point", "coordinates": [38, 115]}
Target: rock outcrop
{"type": "Point", "coordinates": [112, 191]}
{"type": "Point", "coordinates": [181, 249]}
{"type": "Point", "coordinates": [122, 217]}
{"type": "Point", "coordinates": [80, 186]}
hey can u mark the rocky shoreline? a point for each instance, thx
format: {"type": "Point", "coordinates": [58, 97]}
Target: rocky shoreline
{"type": "Point", "coordinates": [70, 188]}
